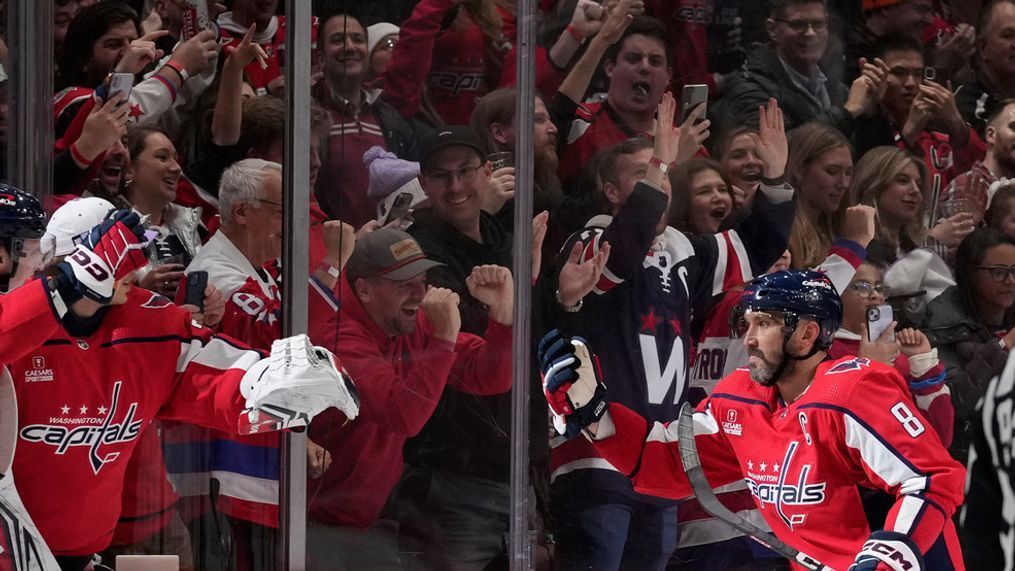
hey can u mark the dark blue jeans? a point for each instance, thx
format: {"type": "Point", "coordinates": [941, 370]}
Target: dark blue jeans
{"type": "Point", "coordinates": [603, 530]}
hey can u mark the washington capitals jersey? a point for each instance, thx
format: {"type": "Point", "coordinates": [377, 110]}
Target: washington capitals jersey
{"type": "Point", "coordinates": [84, 403]}
{"type": "Point", "coordinates": [718, 354]}
{"type": "Point", "coordinates": [652, 287]}
{"type": "Point", "coordinates": [856, 424]}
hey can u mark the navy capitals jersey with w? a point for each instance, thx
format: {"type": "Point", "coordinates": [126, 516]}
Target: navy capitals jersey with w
{"type": "Point", "coordinates": [653, 286]}
{"type": "Point", "coordinates": [855, 425]}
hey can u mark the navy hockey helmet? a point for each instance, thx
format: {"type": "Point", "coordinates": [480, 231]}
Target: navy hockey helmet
{"type": "Point", "coordinates": [795, 294]}
{"type": "Point", "coordinates": [21, 215]}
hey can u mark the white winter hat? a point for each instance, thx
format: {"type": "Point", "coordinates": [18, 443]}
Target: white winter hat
{"type": "Point", "coordinates": [378, 32]}
{"type": "Point", "coordinates": [71, 221]}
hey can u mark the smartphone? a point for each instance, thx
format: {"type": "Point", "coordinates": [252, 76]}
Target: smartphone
{"type": "Point", "coordinates": [197, 282]}
{"type": "Point", "coordinates": [399, 208]}
{"type": "Point", "coordinates": [120, 83]}
{"type": "Point", "coordinates": [935, 74]}
{"type": "Point", "coordinates": [879, 318]}
{"type": "Point", "coordinates": [691, 97]}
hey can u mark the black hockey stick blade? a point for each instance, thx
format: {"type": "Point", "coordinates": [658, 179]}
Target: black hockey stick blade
{"type": "Point", "coordinates": [711, 504]}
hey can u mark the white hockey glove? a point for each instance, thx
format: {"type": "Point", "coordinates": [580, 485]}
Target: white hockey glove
{"type": "Point", "coordinates": [293, 385]}
{"type": "Point", "coordinates": [572, 383]}
{"type": "Point", "coordinates": [888, 551]}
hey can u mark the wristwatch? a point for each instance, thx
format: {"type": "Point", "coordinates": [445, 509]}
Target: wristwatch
{"type": "Point", "coordinates": [570, 309]}
{"type": "Point", "coordinates": [656, 163]}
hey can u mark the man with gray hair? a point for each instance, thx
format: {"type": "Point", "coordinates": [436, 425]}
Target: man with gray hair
{"type": "Point", "coordinates": [242, 262]}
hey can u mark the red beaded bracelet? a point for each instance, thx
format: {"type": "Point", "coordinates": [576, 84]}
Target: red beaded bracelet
{"type": "Point", "coordinates": [575, 33]}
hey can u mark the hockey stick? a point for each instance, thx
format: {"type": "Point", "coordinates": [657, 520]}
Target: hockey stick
{"type": "Point", "coordinates": [711, 504]}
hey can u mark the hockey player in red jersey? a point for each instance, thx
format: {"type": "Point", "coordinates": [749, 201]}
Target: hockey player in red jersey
{"type": "Point", "coordinates": [90, 380]}
{"type": "Point", "coordinates": [802, 430]}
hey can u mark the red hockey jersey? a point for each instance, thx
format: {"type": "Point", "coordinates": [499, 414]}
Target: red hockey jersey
{"type": "Point", "coordinates": [84, 403]}
{"type": "Point", "coordinates": [855, 425]}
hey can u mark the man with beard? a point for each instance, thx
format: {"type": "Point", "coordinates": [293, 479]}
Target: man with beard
{"type": "Point", "coordinates": [493, 120]}
{"type": "Point", "coordinates": [789, 70]}
{"type": "Point", "coordinates": [998, 163]}
{"type": "Point", "coordinates": [994, 64]}
{"type": "Point", "coordinates": [802, 430]}
{"type": "Point", "coordinates": [655, 282]}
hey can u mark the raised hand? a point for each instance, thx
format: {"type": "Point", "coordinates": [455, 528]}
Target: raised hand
{"type": "Point", "coordinates": [884, 349]}
{"type": "Point", "coordinates": [692, 134]}
{"type": "Point", "coordinates": [588, 18]}
{"type": "Point", "coordinates": [318, 460]}
{"type": "Point", "coordinates": [858, 224]}
{"type": "Point", "coordinates": [105, 124]}
{"type": "Point", "coordinates": [245, 52]}
{"type": "Point", "coordinates": [440, 305]}
{"type": "Point", "coordinates": [951, 231]}
{"type": "Point", "coordinates": [578, 278]}
{"type": "Point", "coordinates": [340, 240]}
{"type": "Point", "coordinates": [667, 137]}
{"type": "Point", "coordinates": [493, 286]}
{"type": "Point", "coordinates": [773, 148]}
{"type": "Point", "coordinates": [538, 234]}
{"type": "Point", "coordinates": [912, 342]}
{"type": "Point", "coordinates": [196, 54]}
{"type": "Point", "coordinates": [867, 90]}
{"type": "Point", "coordinates": [617, 20]}
{"type": "Point", "coordinates": [140, 53]}
{"type": "Point", "coordinates": [500, 189]}
{"type": "Point", "coordinates": [214, 308]}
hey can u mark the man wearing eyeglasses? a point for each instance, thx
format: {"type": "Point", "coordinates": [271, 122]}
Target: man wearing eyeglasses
{"type": "Point", "coordinates": [789, 70]}
{"type": "Point", "coordinates": [465, 445]}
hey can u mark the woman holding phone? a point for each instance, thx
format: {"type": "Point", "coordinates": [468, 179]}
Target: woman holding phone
{"type": "Point", "coordinates": [150, 187]}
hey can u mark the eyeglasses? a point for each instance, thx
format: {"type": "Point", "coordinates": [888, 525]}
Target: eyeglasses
{"type": "Point", "coordinates": [866, 289]}
{"type": "Point", "coordinates": [998, 273]}
{"type": "Point", "coordinates": [271, 202]}
{"type": "Point", "coordinates": [445, 178]}
{"type": "Point", "coordinates": [800, 26]}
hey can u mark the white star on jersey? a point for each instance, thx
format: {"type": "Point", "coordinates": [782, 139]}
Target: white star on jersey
{"type": "Point", "coordinates": [763, 466]}
{"type": "Point", "coordinates": [83, 409]}
{"type": "Point", "coordinates": [102, 410]}
{"type": "Point", "coordinates": [750, 465]}
{"type": "Point", "coordinates": [64, 409]}
{"type": "Point", "coordinates": [775, 467]}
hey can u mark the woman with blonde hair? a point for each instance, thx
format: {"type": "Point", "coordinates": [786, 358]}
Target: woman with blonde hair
{"type": "Point", "coordinates": [820, 167]}
{"type": "Point", "coordinates": [894, 181]}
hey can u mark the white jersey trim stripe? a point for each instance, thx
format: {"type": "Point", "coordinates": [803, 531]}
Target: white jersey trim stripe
{"type": "Point", "coordinates": [746, 274]}
{"type": "Point", "coordinates": [247, 487]}
{"type": "Point", "coordinates": [583, 464]}
{"type": "Point", "coordinates": [908, 514]}
{"type": "Point", "coordinates": [719, 275]}
{"type": "Point", "coordinates": [882, 460]}
{"type": "Point", "coordinates": [218, 354]}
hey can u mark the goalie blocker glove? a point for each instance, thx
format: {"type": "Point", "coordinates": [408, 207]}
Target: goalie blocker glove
{"type": "Point", "coordinates": [572, 383]}
{"type": "Point", "coordinates": [293, 385]}
{"type": "Point", "coordinates": [107, 253]}
{"type": "Point", "coordinates": [888, 551]}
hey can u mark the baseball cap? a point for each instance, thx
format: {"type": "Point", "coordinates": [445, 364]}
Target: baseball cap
{"type": "Point", "coordinates": [72, 220]}
{"type": "Point", "coordinates": [387, 253]}
{"type": "Point", "coordinates": [454, 135]}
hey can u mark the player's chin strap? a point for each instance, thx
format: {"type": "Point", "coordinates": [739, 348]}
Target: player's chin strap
{"type": "Point", "coordinates": [787, 332]}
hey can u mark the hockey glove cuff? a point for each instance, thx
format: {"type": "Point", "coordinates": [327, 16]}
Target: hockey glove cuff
{"type": "Point", "coordinates": [888, 551]}
{"type": "Point", "coordinates": [107, 253]}
{"type": "Point", "coordinates": [293, 385]}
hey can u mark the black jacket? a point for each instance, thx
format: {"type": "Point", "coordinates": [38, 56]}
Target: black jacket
{"type": "Point", "coordinates": [763, 77]}
{"type": "Point", "coordinates": [467, 434]}
{"type": "Point", "coordinates": [971, 356]}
